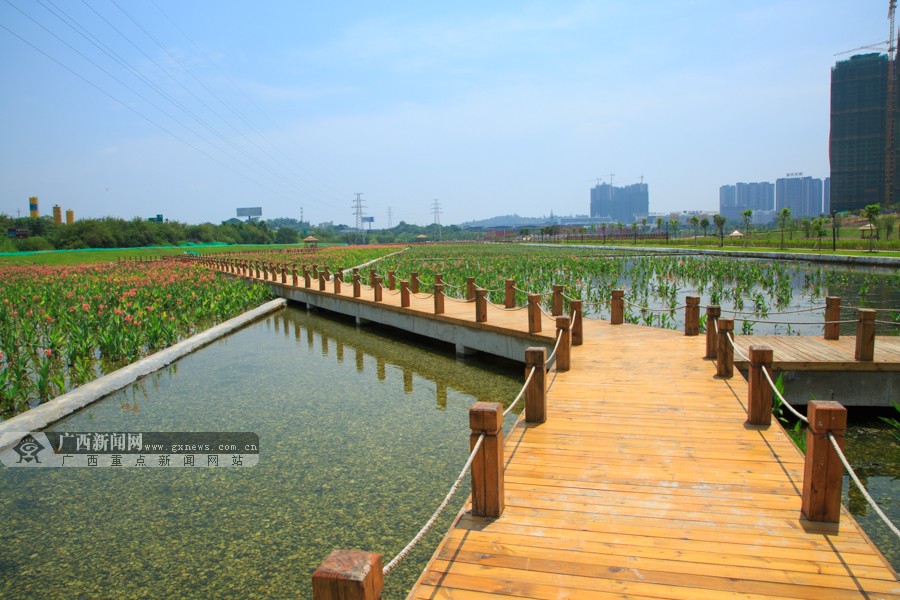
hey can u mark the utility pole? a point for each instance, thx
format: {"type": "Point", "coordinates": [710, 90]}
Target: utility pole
{"type": "Point", "coordinates": [390, 222]}
{"type": "Point", "coordinates": [301, 216]}
{"type": "Point", "coordinates": [436, 208]}
{"type": "Point", "coordinates": [358, 211]}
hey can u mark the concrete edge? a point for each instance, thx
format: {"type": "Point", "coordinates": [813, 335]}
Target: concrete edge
{"type": "Point", "coordinates": [39, 417]}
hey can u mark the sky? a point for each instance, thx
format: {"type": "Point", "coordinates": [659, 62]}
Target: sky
{"type": "Point", "coordinates": [193, 109]}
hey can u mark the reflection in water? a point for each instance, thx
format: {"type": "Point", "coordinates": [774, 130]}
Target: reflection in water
{"type": "Point", "coordinates": [344, 463]}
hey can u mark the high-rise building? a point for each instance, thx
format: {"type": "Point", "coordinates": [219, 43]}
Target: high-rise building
{"type": "Point", "coordinates": [621, 204]}
{"type": "Point", "coordinates": [735, 199]}
{"type": "Point", "coordinates": [826, 197]}
{"type": "Point", "coordinates": [858, 124]}
{"type": "Point", "coordinates": [802, 195]}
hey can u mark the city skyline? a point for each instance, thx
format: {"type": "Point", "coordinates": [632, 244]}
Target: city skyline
{"type": "Point", "coordinates": [191, 111]}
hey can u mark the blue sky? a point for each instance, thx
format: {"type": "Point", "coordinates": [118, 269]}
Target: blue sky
{"type": "Point", "coordinates": [191, 109]}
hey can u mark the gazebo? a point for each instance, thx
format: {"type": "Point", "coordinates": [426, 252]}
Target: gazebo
{"type": "Point", "coordinates": [736, 234]}
{"type": "Point", "coordinates": [867, 228]}
{"type": "Point", "coordinates": [421, 237]}
{"type": "Point", "coordinates": [311, 241]}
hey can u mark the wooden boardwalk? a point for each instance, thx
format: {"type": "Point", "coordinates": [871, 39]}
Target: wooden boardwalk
{"type": "Point", "coordinates": [645, 482]}
{"type": "Point", "coordinates": [809, 353]}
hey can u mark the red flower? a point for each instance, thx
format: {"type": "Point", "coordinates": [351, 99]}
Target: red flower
{"type": "Point", "coordinates": [48, 352]}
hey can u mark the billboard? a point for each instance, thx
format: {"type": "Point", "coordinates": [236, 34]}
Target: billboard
{"type": "Point", "coordinates": [253, 211]}
{"type": "Point", "coordinates": [368, 219]}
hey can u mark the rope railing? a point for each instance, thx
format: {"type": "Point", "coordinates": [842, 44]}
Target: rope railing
{"type": "Point", "coordinates": [894, 323]}
{"type": "Point", "coordinates": [784, 402]}
{"type": "Point", "coordinates": [501, 307]}
{"type": "Point", "coordinates": [896, 310]}
{"type": "Point", "coordinates": [437, 513]}
{"type": "Point", "coordinates": [544, 295]}
{"type": "Point", "coordinates": [731, 341]}
{"type": "Point", "coordinates": [779, 312]}
{"type": "Point", "coordinates": [796, 322]}
{"type": "Point", "coordinates": [521, 392]}
{"type": "Point", "coordinates": [654, 310]}
{"type": "Point", "coordinates": [552, 356]}
{"type": "Point", "coordinates": [861, 487]}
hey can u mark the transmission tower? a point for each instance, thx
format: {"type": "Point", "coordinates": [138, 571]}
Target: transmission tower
{"type": "Point", "coordinates": [358, 207]}
{"type": "Point", "coordinates": [436, 208]}
{"type": "Point", "coordinates": [390, 222]}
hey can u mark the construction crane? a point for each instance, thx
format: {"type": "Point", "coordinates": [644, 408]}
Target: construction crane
{"type": "Point", "coordinates": [890, 134]}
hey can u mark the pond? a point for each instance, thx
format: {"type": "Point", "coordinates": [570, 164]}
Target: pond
{"type": "Point", "coordinates": [361, 435]}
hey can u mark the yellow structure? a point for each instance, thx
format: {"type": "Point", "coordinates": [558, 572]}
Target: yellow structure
{"type": "Point", "coordinates": [33, 207]}
{"type": "Point", "coordinates": [57, 214]}
{"type": "Point", "coordinates": [70, 216]}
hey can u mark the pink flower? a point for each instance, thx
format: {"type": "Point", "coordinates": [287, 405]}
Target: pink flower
{"type": "Point", "coordinates": [48, 352]}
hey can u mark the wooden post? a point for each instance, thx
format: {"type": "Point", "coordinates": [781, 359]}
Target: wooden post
{"type": "Point", "coordinates": [470, 289]}
{"type": "Point", "coordinates": [487, 467]}
{"type": "Point", "coordinates": [376, 286]}
{"type": "Point", "coordinates": [865, 334]}
{"type": "Point", "coordinates": [713, 312]}
{"type": "Point", "coordinates": [306, 277]}
{"type": "Point", "coordinates": [283, 274]}
{"type": "Point", "coordinates": [404, 294]}
{"type": "Point", "coordinates": [257, 270]}
{"type": "Point", "coordinates": [832, 313]}
{"type": "Point", "coordinates": [356, 287]}
{"type": "Point", "coordinates": [340, 274]}
{"type": "Point", "coordinates": [480, 305]}
{"type": "Point", "coordinates": [315, 271]}
{"type": "Point", "coordinates": [414, 282]}
{"type": "Point", "coordinates": [617, 307]}
{"type": "Point", "coordinates": [392, 281]}
{"type": "Point", "coordinates": [692, 315]}
{"type": "Point", "coordinates": [563, 353]}
{"type": "Point", "coordinates": [337, 284]}
{"type": "Point", "coordinates": [536, 392]}
{"type": "Point", "coordinates": [759, 405]}
{"type": "Point", "coordinates": [534, 313]}
{"type": "Point", "coordinates": [509, 294]}
{"type": "Point", "coordinates": [724, 351]}
{"type": "Point", "coordinates": [577, 329]}
{"type": "Point", "coordinates": [322, 281]}
{"type": "Point", "coordinates": [294, 274]}
{"type": "Point", "coordinates": [823, 472]}
{"type": "Point", "coordinates": [372, 276]}
{"type": "Point", "coordinates": [439, 298]}
{"type": "Point", "coordinates": [349, 575]}
{"type": "Point", "coordinates": [557, 303]}
{"type": "Point", "coordinates": [438, 279]}
{"type": "Point", "coordinates": [327, 272]}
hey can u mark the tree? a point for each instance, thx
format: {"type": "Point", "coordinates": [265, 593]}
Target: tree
{"type": "Point", "coordinates": [719, 221]}
{"type": "Point", "coordinates": [674, 224]}
{"type": "Point", "coordinates": [887, 222]}
{"type": "Point", "coordinates": [704, 225]}
{"type": "Point", "coordinates": [634, 230]}
{"type": "Point", "coordinates": [644, 224]}
{"type": "Point", "coordinates": [784, 216]}
{"type": "Point", "coordinates": [659, 223]}
{"type": "Point", "coordinates": [747, 217]}
{"type": "Point", "coordinates": [603, 230]}
{"type": "Point", "coordinates": [287, 235]}
{"type": "Point", "coordinates": [871, 213]}
{"type": "Point", "coordinates": [695, 222]}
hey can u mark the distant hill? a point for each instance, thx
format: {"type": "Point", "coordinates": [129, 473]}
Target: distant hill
{"type": "Point", "coordinates": [511, 221]}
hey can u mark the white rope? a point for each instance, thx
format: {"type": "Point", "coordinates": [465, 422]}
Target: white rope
{"type": "Point", "coordinates": [780, 397]}
{"type": "Point", "coordinates": [733, 345]}
{"type": "Point", "coordinates": [440, 509]}
{"type": "Point", "coordinates": [556, 347]}
{"type": "Point", "coordinates": [502, 307]}
{"type": "Point", "coordinates": [781, 312]}
{"type": "Point", "coordinates": [859, 484]}
{"type": "Point", "coordinates": [895, 323]}
{"type": "Point", "coordinates": [521, 392]}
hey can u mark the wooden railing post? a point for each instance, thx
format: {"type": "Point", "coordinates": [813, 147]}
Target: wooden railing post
{"type": "Point", "coordinates": [349, 575]}
{"type": "Point", "coordinates": [284, 274]}
{"type": "Point", "coordinates": [577, 329]}
{"type": "Point", "coordinates": [337, 284]}
{"type": "Point", "coordinates": [509, 294]}
{"type": "Point", "coordinates": [439, 298]}
{"type": "Point", "coordinates": [692, 315]}
{"type": "Point", "coordinates": [713, 312]}
{"type": "Point", "coordinates": [534, 313]}
{"type": "Point", "coordinates": [823, 472]}
{"type": "Point", "coordinates": [480, 305]}
{"type": "Point", "coordinates": [404, 293]}
{"type": "Point", "coordinates": [832, 313]}
{"type": "Point", "coordinates": [357, 292]}
{"type": "Point", "coordinates": [372, 275]}
{"type": "Point", "coordinates": [724, 351]}
{"type": "Point", "coordinates": [564, 352]}
{"type": "Point", "coordinates": [294, 274]}
{"type": "Point", "coordinates": [556, 305]}
{"type": "Point", "coordinates": [327, 272]}
{"type": "Point", "coordinates": [617, 307]}
{"type": "Point", "coordinates": [759, 405]}
{"type": "Point", "coordinates": [392, 281]}
{"type": "Point", "coordinates": [322, 281]}
{"type": "Point", "coordinates": [536, 392]}
{"type": "Point", "coordinates": [470, 289]}
{"type": "Point", "coordinates": [865, 334]}
{"type": "Point", "coordinates": [306, 277]}
{"type": "Point", "coordinates": [315, 271]}
{"type": "Point", "coordinates": [487, 468]}
{"type": "Point", "coordinates": [340, 274]}
{"type": "Point", "coordinates": [438, 279]}
{"type": "Point", "coordinates": [376, 287]}
{"type": "Point", "coordinates": [414, 282]}
{"type": "Point", "coordinates": [257, 270]}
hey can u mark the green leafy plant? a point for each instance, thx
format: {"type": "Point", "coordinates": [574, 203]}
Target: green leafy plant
{"type": "Point", "coordinates": [894, 423]}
